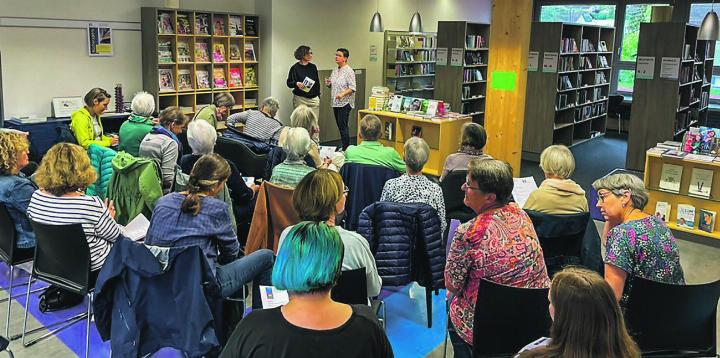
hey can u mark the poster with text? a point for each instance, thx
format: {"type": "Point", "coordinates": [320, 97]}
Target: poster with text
{"type": "Point", "coordinates": [100, 43]}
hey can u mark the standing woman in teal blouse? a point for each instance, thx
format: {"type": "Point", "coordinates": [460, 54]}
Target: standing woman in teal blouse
{"type": "Point", "coordinates": [85, 122]}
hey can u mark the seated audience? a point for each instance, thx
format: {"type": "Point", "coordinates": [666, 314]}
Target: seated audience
{"type": "Point", "coordinates": [260, 124]}
{"type": "Point", "coordinates": [311, 324]}
{"type": "Point", "coordinates": [500, 244]}
{"type": "Point", "coordinates": [294, 168]}
{"type": "Point", "coordinates": [636, 244]}
{"type": "Point", "coordinates": [64, 173]}
{"type": "Point", "coordinates": [557, 194]}
{"type": "Point", "coordinates": [222, 104]}
{"type": "Point", "coordinates": [16, 189]}
{"type": "Point", "coordinates": [370, 150]}
{"type": "Point", "coordinates": [587, 320]}
{"type": "Point", "coordinates": [138, 125]}
{"type": "Point", "coordinates": [163, 144]}
{"type": "Point", "coordinates": [472, 141]}
{"type": "Point", "coordinates": [202, 138]}
{"type": "Point", "coordinates": [304, 117]}
{"type": "Point", "coordinates": [414, 187]}
{"type": "Point", "coordinates": [195, 217]}
{"type": "Point", "coordinates": [320, 197]}
{"type": "Point", "coordinates": [85, 123]}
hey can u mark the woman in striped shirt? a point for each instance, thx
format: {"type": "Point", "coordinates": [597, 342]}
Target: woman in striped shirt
{"type": "Point", "coordinates": [63, 175]}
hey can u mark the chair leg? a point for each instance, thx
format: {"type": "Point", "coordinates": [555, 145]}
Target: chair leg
{"type": "Point", "coordinates": [27, 305]}
{"type": "Point", "coordinates": [67, 323]}
{"type": "Point", "coordinates": [7, 319]}
{"type": "Point", "coordinates": [447, 333]}
{"type": "Point", "coordinates": [428, 304]}
{"type": "Point", "coordinates": [87, 327]}
{"type": "Point", "coordinates": [619, 123]}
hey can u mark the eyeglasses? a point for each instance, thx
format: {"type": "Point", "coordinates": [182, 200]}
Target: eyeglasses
{"type": "Point", "coordinates": [466, 186]}
{"type": "Point", "coordinates": [346, 190]}
{"type": "Point", "coordinates": [601, 196]}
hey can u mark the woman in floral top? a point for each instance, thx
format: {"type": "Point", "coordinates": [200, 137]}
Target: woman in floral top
{"type": "Point", "coordinates": [472, 142]}
{"type": "Point", "coordinates": [636, 244]}
{"type": "Point", "coordinates": [499, 245]}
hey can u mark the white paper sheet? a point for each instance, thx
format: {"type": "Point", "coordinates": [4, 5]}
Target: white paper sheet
{"type": "Point", "coordinates": [137, 228]}
{"type": "Point", "coordinates": [327, 151]}
{"type": "Point", "coordinates": [271, 297]}
{"type": "Point", "coordinates": [249, 181]}
{"type": "Point", "coordinates": [522, 189]}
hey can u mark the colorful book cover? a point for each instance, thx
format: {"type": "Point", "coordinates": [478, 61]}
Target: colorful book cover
{"type": "Point", "coordinates": [165, 23]}
{"type": "Point", "coordinates": [235, 77]}
{"type": "Point", "coordinates": [219, 78]}
{"type": "Point", "coordinates": [662, 210]}
{"type": "Point", "coordinates": [166, 80]}
{"type": "Point", "coordinates": [183, 52]}
{"type": "Point", "coordinates": [165, 52]}
{"type": "Point", "coordinates": [235, 54]}
{"type": "Point", "coordinates": [707, 220]}
{"type": "Point", "coordinates": [218, 52]}
{"type": "Point", "coordinates": [201, 52]}
{"type": "Point", "coordinates": [250, 53]}
{"type": "Point", "coordinates": [219, 26]}
{"type": "Point", "coordinates": [203, 79]}
{"type": "Point", "coordinates": [184, 80]}
{"type": "Point", "coordinates": [686, 216]}
{"type": "Point", "coordinates": [201, 24]}
{"type": "Point", "coordinates": [250, 77]}
{"type": "Point", "coordinates": [183, 24]}
{"type": "Point", "coordinates": [236, 26]}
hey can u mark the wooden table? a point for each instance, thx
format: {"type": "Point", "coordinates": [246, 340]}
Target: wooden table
{"type": "Point", "coordinates": [441, 134]}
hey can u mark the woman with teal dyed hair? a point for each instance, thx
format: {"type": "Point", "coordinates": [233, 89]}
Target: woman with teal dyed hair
{"type": "Point", "coordinates": [308, 265]}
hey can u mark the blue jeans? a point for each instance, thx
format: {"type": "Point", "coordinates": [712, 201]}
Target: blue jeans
{"type": "Point", "coordinates": [256, 267]}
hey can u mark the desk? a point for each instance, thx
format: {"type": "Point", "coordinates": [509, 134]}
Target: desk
{"type": "Point", "coordinates": [441, 134]}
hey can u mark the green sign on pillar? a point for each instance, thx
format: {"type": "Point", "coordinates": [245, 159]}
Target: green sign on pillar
{"type": "Point", "coordinates": [503, 80]}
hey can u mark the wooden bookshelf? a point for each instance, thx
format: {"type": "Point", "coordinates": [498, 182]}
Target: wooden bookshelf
{"type": "Point", "coordinates": [225, 50]}
{"type": "Point", "coordinates": [664, 108]}
{"type": "Point", "coordinates": [409, 63]}
{"type": "Point", "coordinates": [567, 104]}
{"type": "Point", "coordinates": [464, 85]}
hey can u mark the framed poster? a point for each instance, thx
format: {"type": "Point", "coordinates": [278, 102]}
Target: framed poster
{"type": "Point", "coordinates": [100, 43]}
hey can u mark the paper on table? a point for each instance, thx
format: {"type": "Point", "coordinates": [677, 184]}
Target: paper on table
{"type": "Point", "coordinates": [137, 228]}
{"type": "Point", "coordinates": [327, 151]}
{"type": "Point", "coordinates": [522, 189]}
{"type": "Point", "coordinates": [249, 181]}
{"type": "Point", "coordinates": [271, 297]}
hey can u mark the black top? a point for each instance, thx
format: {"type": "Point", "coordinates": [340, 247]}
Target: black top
{"type": "Point", "coordinates": [266, 333]}
{"type": "Point", "coordinates": [298, 73]}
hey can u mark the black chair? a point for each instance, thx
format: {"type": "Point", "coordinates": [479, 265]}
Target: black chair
{"type": "Point", "coordinates": [560, 237]}
{"type": "Point", "coordinates": [673, 320]}
{"type": "Point", "coordinates": [248, 162]}
{"type": "Point", "coordinates": [615, 108]}
{"type": "Point", "coordinates": [507, 318]}
{"type": "Point", "coordinates": [351, 288]}
{"type": "Point", "coordinates": [454, 196]}
{"type": "Point", "coordinates": [62, 258]}
{"type": "Point", "coordinates": [366, 183]}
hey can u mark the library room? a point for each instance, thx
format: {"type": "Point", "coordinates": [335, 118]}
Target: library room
{"type": "Point", "coordinates": [371, 178]}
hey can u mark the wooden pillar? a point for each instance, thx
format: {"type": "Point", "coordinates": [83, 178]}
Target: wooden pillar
{"type": "Point", "coordinates": [507, 73]}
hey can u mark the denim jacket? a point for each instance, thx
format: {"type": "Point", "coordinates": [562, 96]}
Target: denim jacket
{"type": "Point", "coordinates": [15, 193]}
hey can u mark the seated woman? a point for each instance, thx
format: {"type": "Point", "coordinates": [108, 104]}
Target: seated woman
{"type": "Point", "coordinates": [86, 124]}
{"type": "Point", "coordinates": [311, 324]}
{"type": "Point", "coordinates": [16, 189]}
{"type": "Point", "coordinates": [320, 197]}
{"type": "Point", "coordinates": [500, 244]}
{"type": "Point", "coordinates": [260, 123]}
{"type": "Point", "coordinates": [194, 217]}
{"type": "Point", "coordinates": [587, 320]}
{"type": "Point", "coordinates": [557, 194]}
{"type": "Point", "coordinates": [138, 125]}
{"type": "Point", "coordinates": [293, 169]}
{"type": "Point", "coordinates": [472, 141]}
{"type": "Point", "coordinates": [223, 102]}
{"type": "Point", "coordinates": [303, 116]}
{"type": "Point", "coordinates": [163, 144]}
{"type": "Point", "coordinates": [636, 244]}
{"type": "Point", "coordinates": [414, 187]}
{"type": "Point", "coordinates": [63, 175]}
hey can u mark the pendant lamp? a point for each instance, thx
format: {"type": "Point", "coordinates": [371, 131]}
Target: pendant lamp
{"type": "Point", "coordinates": [710, 27]}
{"type": "Point", "coordinates": [376, 21]}
{"type": "Point", "coordinates": [416, 21]}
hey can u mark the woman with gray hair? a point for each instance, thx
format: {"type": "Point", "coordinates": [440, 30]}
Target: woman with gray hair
{"type": "Point", "coordinates": [413, 186]}
{"type": "Point", "coordinates": [636, 244]}
{"type": "Point", "coordinates": [139, 124]}
{"type": "Point", "coordinates": [219, 109]}
{"type": "Point", "coordinates": [293, 169]}
{"type": "Point", "coordinates": [558, 194]}
{"type": "Point", "coordinates": [260, 124]}
{"type": "Point", "coordinates": [304, 117]}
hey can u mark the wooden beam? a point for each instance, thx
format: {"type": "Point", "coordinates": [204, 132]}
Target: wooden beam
{"type": "Point", "coordinates": [507, 73]}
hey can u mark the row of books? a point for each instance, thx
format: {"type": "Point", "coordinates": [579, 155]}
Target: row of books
{"type": "Point", "coordinates": [565, 83]}
{"type": "Point", "coordinates": [421, 106]}
{"type": "Point", "coordinates": [568, 44]}
{"type": "Point", "coordinates": [587, 46]}
{"type": "Point", "coordinates": [582, 98]}
{"type": "Point", "coordinates": [405, 55]}
{"type": "Point", "coordinates": [473, 58]}
{"type": "Point", "coordinates": [590, 95]}
{"type": "Point", "coordinates": [405, 41]}
{"type": "Point", "coordinates": [472, 75]}
{"type": "Point", "coordinates": [700, 180]}
{"type": "Point", "coordinates": [685, 216]}
{"type": "Point", "coordinates": [202, 79]}
{"type": "Point", "coordinates": [475, 41]}
{"type": "Point", "coordinates": [202, 54]}
{"type": "Point", "coordinates": [379, 98]}
{"type": "Point", "coordinates": [590, 111]}
{"type": "Point", "coordinates": [467, 93]}
{"type": "Point", "coordinates": [204, 26]}
{"type": "Point", "coordinates": [414, 69]}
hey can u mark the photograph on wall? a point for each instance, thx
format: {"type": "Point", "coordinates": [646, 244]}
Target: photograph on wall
{"type": "Point", "coordinates": [100, 41]}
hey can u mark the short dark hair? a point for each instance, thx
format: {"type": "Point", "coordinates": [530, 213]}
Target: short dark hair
{"type": "Point", "coordinates": [473, 135]}
{"type": "Point", "coordinates": [301, 51]}
{"type": "Point", "coordinates": [172, 115]}
{"type": "Point", "coordinates": [492, 176]}
{"type": "Point", "coordinates": [344, 51]}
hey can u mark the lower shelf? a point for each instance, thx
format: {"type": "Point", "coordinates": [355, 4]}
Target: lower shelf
{"type": "Point", "coordinates": [713, 235]}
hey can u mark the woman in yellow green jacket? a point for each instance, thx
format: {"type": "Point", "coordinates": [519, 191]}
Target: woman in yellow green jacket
{"type": "Point", "coordinates": [85, 122]}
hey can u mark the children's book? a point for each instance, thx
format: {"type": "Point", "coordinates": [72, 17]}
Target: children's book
{"type": "Point", "coordinates": [165, 52]}
{"type": "Point", "coordinates": [183, 24]}
{"type": "Point", "coordinates": [166, 80]}
{"type": "Point", "coordinates": [219, 78]}
{"type": "Point", "coordinates": [235, 77]}
{"type": "Point", "coordinates": [183, 52]}
{"type": "Point", "coordinates": [686, 216]}
{"type": "Point", "coordinates": [165, 23]}
{"type": "Point", "coordinates": [235, 54]}
{"type": "Point", "coordinates": [662, 210]}
{"type": "Point", "coordinates": [235, 26]}
{"type": "Point", "coordinates": [218, 52]}
{"type": "Point", "coordinates": [219, 26]}
{"type": "Point", "coordinates": [201, 24]}
{"type": "Point", "coordinates": [250, 77]}
{"type": "Point", "coordinates": [250, 53]}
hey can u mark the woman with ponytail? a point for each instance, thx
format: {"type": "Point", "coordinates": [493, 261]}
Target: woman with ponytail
{"type": "Point", "coordinates": [195, 217]}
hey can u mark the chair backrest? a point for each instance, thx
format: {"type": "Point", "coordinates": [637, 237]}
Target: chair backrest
{"type": "Point", "coordinates": [62, 256]}
{"type": "Point", "coordinates": [248, 162]}
{"type": "Point", "coordinates": [351, 287]}
{"type": "Point", "coordinates": [560, 237]}
{"type": "Point", "coordinates": [507, 318]}
{"type": "Point", "coordinates": [614, 102]}
{"type": "Point", "coordinates": [366, 183]}
{"type": "Point", "coordinates": [673, 318]}
{"type": "Point", "coordinates": [273, 213]}
{"type": "Point", "coordinates": [8, 235]}
{"type": "Point", "coordinates": [454, 196]}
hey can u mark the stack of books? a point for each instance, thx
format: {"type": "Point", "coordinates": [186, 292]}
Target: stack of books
{"type": "Point", "coordinates": [379, 98]}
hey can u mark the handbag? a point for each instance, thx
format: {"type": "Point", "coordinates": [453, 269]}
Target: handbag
{"type": "Point", "coordinates": [55, 299]}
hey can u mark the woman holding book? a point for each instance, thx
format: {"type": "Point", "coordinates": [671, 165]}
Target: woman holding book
{"type": "Point", "coordinates": [303, 78]}
{"type": "Point", "coordinates": [86, 124]}
{"type": "Point", "coordinates": [636, 244]}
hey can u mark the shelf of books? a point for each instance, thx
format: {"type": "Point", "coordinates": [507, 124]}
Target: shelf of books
{"type": "Point", "coordinates": [673, 92]}
{"type": "Point", "coordinates": [409, 63]}
{"type": "Point", "coordinates": [189, 55]}
{"type": "Point", "coordinates": [462, 67]}
{"type": "Point", "coordinates": [683, 189]}
{"type": "Point", "coordinates": [569, 75]}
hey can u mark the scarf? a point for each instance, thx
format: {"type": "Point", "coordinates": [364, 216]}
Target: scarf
{"type": "Point", "coordinates": [165, 131]}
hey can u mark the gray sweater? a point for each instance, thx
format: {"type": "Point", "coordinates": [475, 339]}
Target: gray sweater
{"type": "Point", "coordinates": [164, 149]}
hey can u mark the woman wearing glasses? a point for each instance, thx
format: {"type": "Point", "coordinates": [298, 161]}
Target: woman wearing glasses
{"type": "Point", "coordinates": [499, 245]}
{"type": "Point", "coordinates": [636, 244]}
{"type": "Point", "coordinates": [305, 92]}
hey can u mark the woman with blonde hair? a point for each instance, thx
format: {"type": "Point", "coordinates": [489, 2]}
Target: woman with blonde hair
{"type": "Point", "coordinates": [16, 189]}
{"type": "Point", "coordinates": [557, 194]}
{"type": "Point", "coordinates": [587, 320]}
